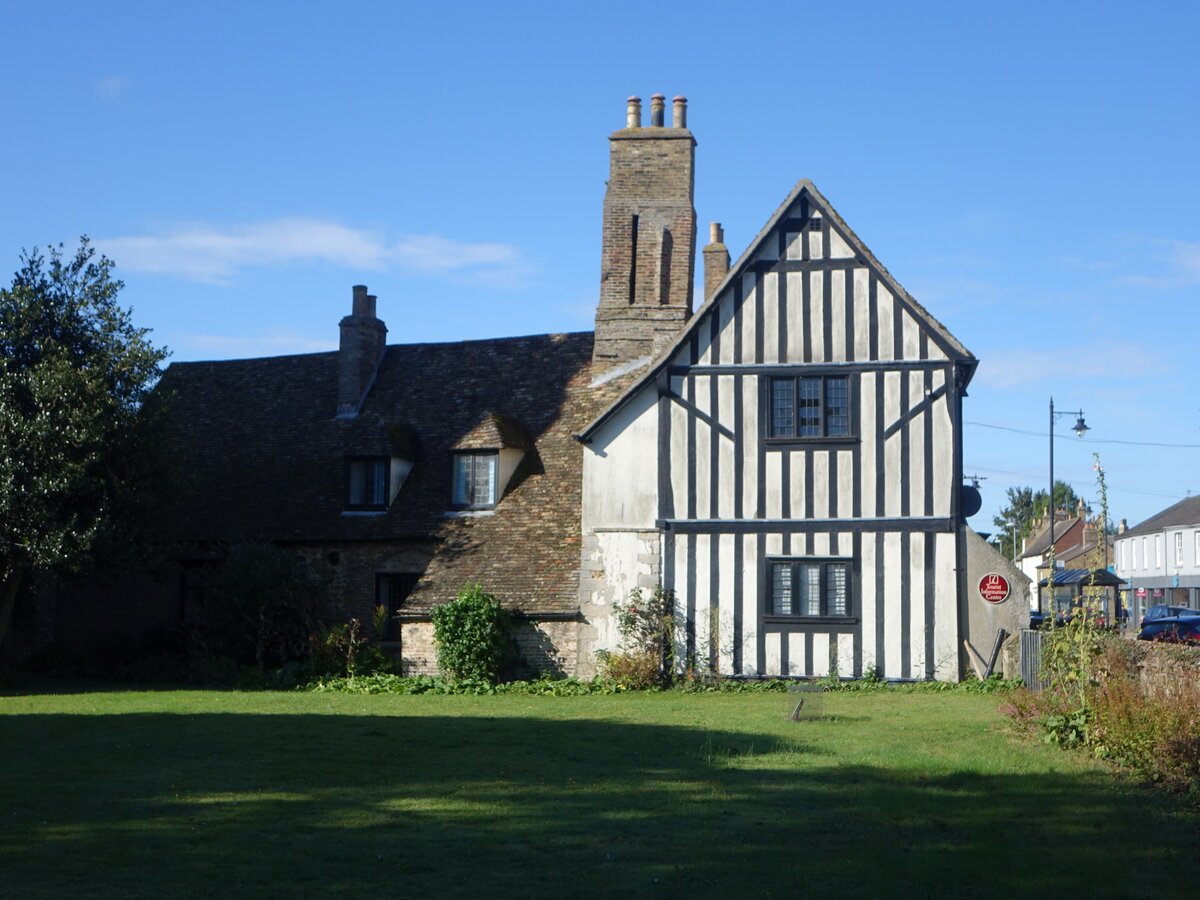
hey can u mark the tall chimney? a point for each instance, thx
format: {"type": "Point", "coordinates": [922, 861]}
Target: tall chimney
{"type": "Point", "coordinates": [648, 247]}
{"type": "Point", "coordinates": [363, 339]}
{"type": "Point", "coordinates": [716, 260]}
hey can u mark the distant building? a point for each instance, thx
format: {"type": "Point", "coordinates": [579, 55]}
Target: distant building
{"type": "Point", "coordinates": [1160, 558]}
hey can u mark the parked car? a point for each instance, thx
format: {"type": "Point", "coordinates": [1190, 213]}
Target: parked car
{"type": "Point", "coordinates": [1036, 619]}
{"type": "Point", "coordinates": [1166, 612]}
{"type": "Point", "coordinates": [1172, 630]}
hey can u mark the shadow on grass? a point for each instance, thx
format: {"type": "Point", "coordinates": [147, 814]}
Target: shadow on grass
{"type": "Point", "coordinates": [142, 805]}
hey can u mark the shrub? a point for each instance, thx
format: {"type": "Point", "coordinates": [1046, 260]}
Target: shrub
{"type": "Point", "coordinates": [266, 607]}
{"type": "Point", "coordinates": [344, 650]}
{"type": "Point", "coordinates": [646, 628]}
{"type": "Point", "coordinates": [472, 636]}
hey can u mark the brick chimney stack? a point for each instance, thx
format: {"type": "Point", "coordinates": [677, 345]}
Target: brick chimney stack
{"type": "Point", "coordinates": [363, 338]}
{"type": "Point", "coordinates": [648, 254]}
{"type": "Point", "coordinates": [716, 259]}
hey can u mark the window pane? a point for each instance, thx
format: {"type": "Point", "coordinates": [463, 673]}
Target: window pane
{"type": "Point", "coordinates": [462, 480]}
{"type": "Point", "coordinates": [366, 482]}
{"type": "Point", "coordinates": [378, 482]}
{"type": "Point", "coordinates": [835, 589]}
{"type": "Point", "coordinates": [783, 423]}
{"type": "Point", "coordinates": [810, 589]}
{"type": "Point", "coordinates": [837, 406]}
{"type": "Point", "coordinates": [781, 589]}
{"type": "Point", "coordinates": [808, 408]}
{"type": "Point", "coordinates": [484, 477]}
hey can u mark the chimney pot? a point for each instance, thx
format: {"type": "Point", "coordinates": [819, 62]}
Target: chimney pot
{"type": "Point", "coordinates": [658, 104]}
{"type": "Point", "coordinates": [716, 234]}
{"type": "Point", "coordinates": [633, 112]}
{"type": "Point", "coordinates": [361, 302]}
{"type": "Point", "coordinates": [679, 111]}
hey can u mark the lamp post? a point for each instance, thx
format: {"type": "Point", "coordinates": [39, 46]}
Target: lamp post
{"type": "Point", "coordinates": [1079, 428]}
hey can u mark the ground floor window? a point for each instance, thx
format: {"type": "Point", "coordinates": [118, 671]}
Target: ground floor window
{"type": "Point", "coordinates": [390, 594]}
{"type": "Point", "coordinates": [810, 587]}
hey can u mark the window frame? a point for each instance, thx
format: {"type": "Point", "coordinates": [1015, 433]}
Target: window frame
{"type": "Point", "coordinates": [825, 565]}
{"type": "Point", "coordinates": [797, 378]}
{"type": "Point", "coordinates": [384, 484]}
{"type": "Point", "coordinates": [468, 493]}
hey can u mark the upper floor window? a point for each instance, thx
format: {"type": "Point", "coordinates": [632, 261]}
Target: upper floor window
{"type": "Point", "coordinates": [811, 406]}
{"type": "Point", "coordinates": [810, 587]}
{"type": "Point", "coordinates": [1179, 548]}
{"type": "Point", "coordinates": [367, 483]}
{"type": "Point", "coordinates": [475, 480]}
{"type": "Point", "coordinates": [1197, 548]}
{"type": "Point", "coordinates": [1158, 551]}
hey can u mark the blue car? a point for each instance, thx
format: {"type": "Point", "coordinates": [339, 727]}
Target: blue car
{"type": "Point", "coordinates": [1172, 630]}
{"type": "Point", "coordinates": [1161, 611]}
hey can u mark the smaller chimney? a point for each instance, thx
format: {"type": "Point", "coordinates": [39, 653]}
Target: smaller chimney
{"type": "Point", "coordinates": [633, 113]}
{"type": "Point", "coordinates": [363, 339]}
{"type": "Point", "coordinates": [658, 104]}
{"type": "Point", "coordinates": [716, 259]}
{"type": "Point", "coordinates": [679, 111]}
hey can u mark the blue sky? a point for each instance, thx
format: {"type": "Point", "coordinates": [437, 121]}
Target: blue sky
{"type": "Point", "coordinates": [1026, 170]}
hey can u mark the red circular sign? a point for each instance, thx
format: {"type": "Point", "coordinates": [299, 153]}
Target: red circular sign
{"type": "Point", "coordinates": [993, 588]}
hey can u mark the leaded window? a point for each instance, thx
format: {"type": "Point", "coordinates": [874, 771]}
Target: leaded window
{"type": "Point", "coordinates": [810, 587]}
{"type": "Point", "coordinates": [367, 483]}
{"type": "Point", "coordinates": [811, 406]}
{"type": "Point", "coordinates": [475, 480]}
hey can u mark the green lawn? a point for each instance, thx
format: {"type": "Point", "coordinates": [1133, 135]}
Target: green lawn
{"type": "Point", "coordinates": [205, 793]}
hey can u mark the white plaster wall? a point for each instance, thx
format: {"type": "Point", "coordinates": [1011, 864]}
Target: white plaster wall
{"type": "Point", "coordinates": [620, 468]}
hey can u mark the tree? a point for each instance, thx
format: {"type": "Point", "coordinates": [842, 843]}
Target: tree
{"type": "Point", "coordinates": [266, 608]}
{"type": "Point", "coordinates": [1025, 506]}
{"type": "Point", "coordinates": [76, 436]}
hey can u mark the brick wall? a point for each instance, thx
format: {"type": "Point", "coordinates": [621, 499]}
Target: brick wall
{"type": "Point", "coordinates": [648, 243]}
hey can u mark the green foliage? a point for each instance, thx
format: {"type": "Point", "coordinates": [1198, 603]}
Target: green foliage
{"type": "Point", "coordinates": [266, 608]}
{"type": "Point", "coordinates": [381, 683]}
{"type": "Point", "coordinates": [646, 627]}
{"type": "Point", "coordinates": [344, 650]}
{"type": "Point", "coordinates": [1126, 702]}
{"type": "Point", "coordinates": [472, 636]}
{"type": "Point", "coordinates": [77, 441]}
{"type": "Point", "coordinates": [1025, 506]}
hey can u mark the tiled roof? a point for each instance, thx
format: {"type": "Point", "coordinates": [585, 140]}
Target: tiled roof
{"type": "Point", "coordinates": [1185, 512]}
{"type": "Point", "coordinates": [1039, 544]}
{"type": "Point", "coordinates": [266, 455]}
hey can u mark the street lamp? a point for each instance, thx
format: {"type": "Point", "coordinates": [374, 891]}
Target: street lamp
{"type": "Point", "coordinates": [1079, 429]}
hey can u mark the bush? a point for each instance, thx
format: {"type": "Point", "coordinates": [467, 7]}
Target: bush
{"type": "Point", "coordinates": [646, 627]}
{"type": "Point", "coordinates": [1101, 703]}
{"type": "Point", "coordinates": [472, 637]}
{"type": "Point", "coordinates": [266, 607]}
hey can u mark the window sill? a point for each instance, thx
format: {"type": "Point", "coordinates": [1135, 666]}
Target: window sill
{"type": "Point", "coordinates": [467, 513]}
{"type": "Point", "coordinates": [364, 512]}
{"type": "Point", "coordinates": [813, 620]}
{"type": "Point", "coordinates": [791, 443]}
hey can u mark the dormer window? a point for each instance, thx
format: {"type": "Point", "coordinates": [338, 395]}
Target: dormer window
{"type": "Point", "coordinates": [485, 460]}
{"type": "Point", "coordinates": [367, 483]}
{"type": "Point", "coordinates": [475, 477]}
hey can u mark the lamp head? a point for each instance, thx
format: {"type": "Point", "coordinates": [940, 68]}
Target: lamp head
{"type": "Point", "coordinates": [1080, 426]}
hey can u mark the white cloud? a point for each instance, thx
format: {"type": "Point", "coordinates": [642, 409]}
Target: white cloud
{"type": "Point", "coordinates": [212, 254]}
{"type": "Point", "coordinates": [112, 87]}
{"type": "Point", "coordinates": [1100, 362]}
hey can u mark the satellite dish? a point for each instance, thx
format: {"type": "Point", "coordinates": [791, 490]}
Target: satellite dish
{"type": "Point", "coordinates": [970, 501]}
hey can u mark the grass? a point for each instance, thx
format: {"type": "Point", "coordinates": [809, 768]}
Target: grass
{"type": "Point", "coordinates": [217, 794]}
